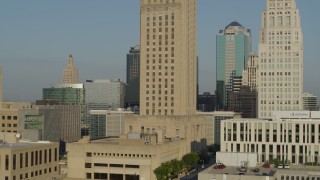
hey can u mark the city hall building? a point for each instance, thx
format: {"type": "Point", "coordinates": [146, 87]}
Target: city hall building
{"type": "Point", "coordinates": [291, 136]}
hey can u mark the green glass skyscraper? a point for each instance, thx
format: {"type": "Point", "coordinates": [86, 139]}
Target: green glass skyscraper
{"type": "Point", "coordinates": [233, 47]}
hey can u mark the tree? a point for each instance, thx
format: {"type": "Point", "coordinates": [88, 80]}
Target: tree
{"type": "Point", "coordinates": [164, 171]}
{"type": "Point", "coordinates": [190, 159]}
{"type": "Point", "coordinates": [177, 166]}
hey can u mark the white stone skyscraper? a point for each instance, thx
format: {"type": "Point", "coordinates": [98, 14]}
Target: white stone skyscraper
{"type": "Point", "coordinates": [70, 73]}
{"type": "Point", "coordinates": [168, 68]}
{"type": "Point", "coordinates": [280, 74]}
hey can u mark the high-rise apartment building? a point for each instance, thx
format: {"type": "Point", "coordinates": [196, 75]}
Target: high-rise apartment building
{"type": "Point", "coordinates": [70, 73]}
{"type": "Point", "coordinates": [168, 57]}
{"type": "Point", "coordinates": [280, 73]}
{"type": "Point", "coordinates": [1, 86]}
{"type": "Point", "coordinates": [133, 78]}
{"type": "Point", "coordinates": [233, 49]}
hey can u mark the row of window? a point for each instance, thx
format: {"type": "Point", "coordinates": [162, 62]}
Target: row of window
{"type": "Point", "coordinates": [96, 154]}
{"type": "Point", "coordinates": [90, 165]}
{"type": "Point", "coordinates": [9, 117]}
{"type": "Point", "coordinates": [33, 158]}
{"type": "Point", "coordinates": [33, 173]}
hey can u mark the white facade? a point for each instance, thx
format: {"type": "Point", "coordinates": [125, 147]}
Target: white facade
{"type": "Point", "coordinates": [280, 73]}
{"type": "Point", "coordinates": [292, 137]}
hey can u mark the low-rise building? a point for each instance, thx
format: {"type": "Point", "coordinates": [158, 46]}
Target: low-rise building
{"type": "Point", "coordinates": [292, 137]}
{"type": "Point", "coordinates": [27, 160]}
{"type": "Point", "coordinates": [134, 157]}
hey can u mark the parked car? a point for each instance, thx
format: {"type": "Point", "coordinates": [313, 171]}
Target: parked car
{"type": "Point", "coordinates": [266, 165]}
{"type": "Point", "coordinates": [287, 166]}
{"type": "Point", "coordinates": [219, 166]}
{"type": "Point", "coordinates": [256, 169]}
{"type": "Point", "coordinates": [280, 166]}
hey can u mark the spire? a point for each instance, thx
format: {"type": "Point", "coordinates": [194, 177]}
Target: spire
{"type": "Point", "coordinates": [70, 73]}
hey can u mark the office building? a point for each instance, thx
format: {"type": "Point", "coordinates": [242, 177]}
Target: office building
{"type": "Point", "coordinates": [310, 102]}
{"type": "Point", "coordinates": [10, 116]}
{"type": "Point", "coordinates": [244, 102]}
{"type": "Point", "coordinates": [291, 136]}
{"type": "Point", "coordinates": [104, 94]}
{"type": "Point", "coordinates": [213, 123]}
{"type": "Point", "coordinates": [280, 80]}
{"type": "Point", "coordinates": [130, 157]}
{"type": "Point", "coordinates": [168, 57]}
{"type": "Point", "coordinates": [233, 47]}
{"type": "Point", "coordinates": [1, 84]}
{"type": "Point", "coordinates": [132, 97]}
{"type": "Point", "coordinates": [68, 94]}
{"type": "Point", "coordinates": [249, 74]}
{"type": "Point", "coordinates": [206, 102]}
{"type": "Point", "coordinates": [27, 160]}
{"type": "Point", "coordinates": [106, 123]}
{"type": "Point", "coordinates": [70, 72]}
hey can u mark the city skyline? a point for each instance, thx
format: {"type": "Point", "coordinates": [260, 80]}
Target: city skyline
{"type": "Point", "coordinates": [36, 40]}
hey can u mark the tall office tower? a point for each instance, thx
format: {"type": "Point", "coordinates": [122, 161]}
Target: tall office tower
{"type": "Point", "coordinates": [133, 78]}
{"type": "Point", "coordinates": [70, 73]}
{"type": "Point", "coordinates": [1, 91]}
{"type": "Point", "coordinates": [249, 74]}
{"type": "Point", "coordinates": [310, 102]}
{"type": "Point", "coordinates": [281, 59]}
{"type": "Point", "coordinates": [168, 57]}
{"type": "Point", "coordinates": [233, 49]}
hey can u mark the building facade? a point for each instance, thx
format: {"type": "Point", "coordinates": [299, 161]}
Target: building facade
{"type": "Point", "coordinates": [70, 72]}
{"type": "Point", "coordinates": [244, 102]}
{"type": "Point", "coordinates": [310, 102]}
{"type": "Point", "coordinates": [28, 160]}
{"type": "Point", "coordinates": [280, 73]}
{"type": "Point", "coordinates": [68, 94]}
{"type": "Point", "coordinates": [291, 136]}
{"type": "Point", "coordinates": [249, 74]}
{"type": "Point", "coordinates": [132, 97]}
{"type": "Point", "coordinates": [105, 123]}
{"type": "Point", "coordinates": [168, 57]}
{"type": "Point", "coordinates": [206, 102]}
{"type": "Point", "coordinates": [124, 158]}
{"type": "Point", "coordinates": [233, 46]}
{"type": "Point", "coordinates": [10, 116]}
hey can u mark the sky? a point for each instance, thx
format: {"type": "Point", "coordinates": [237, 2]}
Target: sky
{"type": "Point", "coordinates": [36, 37]}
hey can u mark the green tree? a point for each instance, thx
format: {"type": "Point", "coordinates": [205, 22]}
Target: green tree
{"type": "Point", "coordinates": [164, 171]}
{"type": "Point", "coordinates": [177, 166]}
{"type": "Point", "coordinates": [190, 159]}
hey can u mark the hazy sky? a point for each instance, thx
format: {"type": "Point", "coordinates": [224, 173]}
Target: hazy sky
{"type": "Point", "coordinates": [36, 37]}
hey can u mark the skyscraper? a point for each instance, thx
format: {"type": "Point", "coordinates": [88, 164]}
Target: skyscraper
{"type": "Point", "coordinates": [1, 77]}
{"type": "Point", "coordinates": [70, 73]}
{"type": "Point", "coordinates": [133, 77]}
{"type": "Point", "coordinates": [233, 49]}
{"type": "Point", "coordinates": [280, 80]}
{"type": "Point", "coordinates": [168, 57]}
{"type": "Point", "coordinates": [249, 74]}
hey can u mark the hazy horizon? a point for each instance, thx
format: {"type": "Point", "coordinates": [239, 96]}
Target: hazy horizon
{"type": "Point", "coordinates": [37, 37]}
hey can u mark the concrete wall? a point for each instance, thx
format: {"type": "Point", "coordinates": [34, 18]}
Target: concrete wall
{"type": "Point", "coordinates": [236, 159]}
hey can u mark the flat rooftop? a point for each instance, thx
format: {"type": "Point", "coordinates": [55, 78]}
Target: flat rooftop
{"type": "Point", "coordinates": [232, 170]}
{"type": "Point", "coordinates": [22, 144]}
